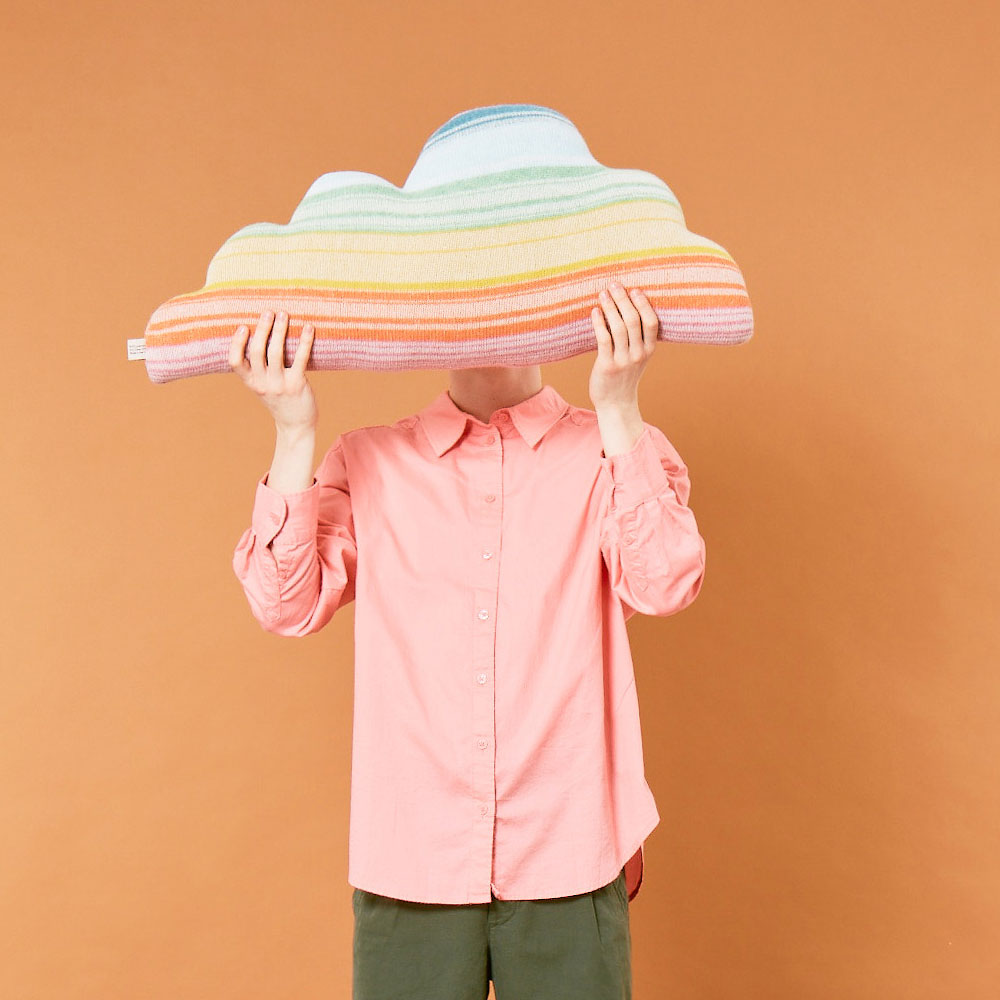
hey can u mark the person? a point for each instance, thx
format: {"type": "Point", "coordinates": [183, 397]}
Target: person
{"type": "Point", "coordinates": [495, 544]}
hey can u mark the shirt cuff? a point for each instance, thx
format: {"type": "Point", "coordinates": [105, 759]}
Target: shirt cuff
{"type": "Point", "coordinates": [638, 475]}
{"type": "Point", "coordinates": [293, 516]}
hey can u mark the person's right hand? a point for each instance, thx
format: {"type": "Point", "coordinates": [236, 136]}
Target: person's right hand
{"type": "Point", "coordinates": [286, 392]}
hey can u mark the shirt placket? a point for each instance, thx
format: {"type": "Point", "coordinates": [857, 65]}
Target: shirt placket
{"type": "Point", "coordinates": [485, 572]}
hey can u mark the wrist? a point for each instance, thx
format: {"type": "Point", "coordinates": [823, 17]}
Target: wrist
{"type": "Point", "coordinates": [296, 433]}
{"type": "Point", "coordinates": [619, 405]}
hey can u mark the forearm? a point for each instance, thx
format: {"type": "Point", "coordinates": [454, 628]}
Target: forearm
{"type": "Point", "coordinates": [620, 426]}
{"type": "Point", "coordinates": [292, 466]}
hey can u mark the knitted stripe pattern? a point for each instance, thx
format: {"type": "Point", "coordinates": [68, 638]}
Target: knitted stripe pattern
{"type": "Point", "coordinates": [493, 252]}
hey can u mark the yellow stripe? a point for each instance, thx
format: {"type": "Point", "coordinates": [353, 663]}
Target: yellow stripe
{"type": "Point", "coordinates": [457, 283]}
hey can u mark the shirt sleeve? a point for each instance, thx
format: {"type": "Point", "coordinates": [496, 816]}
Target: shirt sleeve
{"type": "Point", "coordinates": [297, 560]}
{"type": "Point", "coordinates": [650, 541]}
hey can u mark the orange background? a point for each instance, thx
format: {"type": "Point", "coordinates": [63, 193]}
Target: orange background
{"type": "Point", "coordinates": [821, 727]}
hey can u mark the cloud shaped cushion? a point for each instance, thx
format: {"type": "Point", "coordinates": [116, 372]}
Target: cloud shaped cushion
{"type": "Point", "coordinates": [492, 253]}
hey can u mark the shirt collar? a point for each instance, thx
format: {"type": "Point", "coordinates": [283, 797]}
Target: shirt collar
{"type": "Point", "coordinates": [444, 422]}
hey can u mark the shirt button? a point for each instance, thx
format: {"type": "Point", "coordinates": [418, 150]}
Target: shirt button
{"type": "Point", "coordinates": [487, 555]}
{"type": "Point", "coordinates": [490, 439]}
{"type": "Point", "coordinates": [630, 538]}
{"type": "Point", "coordinates": [484, 810]}
{"type": "Point", "coordinates": [642, 583]}
{"type": "Point", "coordinates": [490, 498]}
{"type": "Point", "coordinates": [481, 678]}
{"type": "Point", "coordinates": [484, 614]}
{"type": "Point", "coordinates": [275, 518]}
{"type": "Point", "coordinates": [483, 744]}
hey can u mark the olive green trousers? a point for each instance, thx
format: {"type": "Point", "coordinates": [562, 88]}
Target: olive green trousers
{"type": "Point", "coordinates": [575, 947]}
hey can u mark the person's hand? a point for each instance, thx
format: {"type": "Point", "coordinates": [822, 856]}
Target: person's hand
{"type": "Point", "coordinates": [622, 353]}
{"type": "Point", "coordinates": [286, 392]}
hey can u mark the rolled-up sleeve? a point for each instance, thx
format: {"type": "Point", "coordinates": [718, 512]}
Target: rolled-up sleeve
{"type": "Point", "coordinates": [650, 541]}
{"type": "Point", "coordinates": [297, 560]}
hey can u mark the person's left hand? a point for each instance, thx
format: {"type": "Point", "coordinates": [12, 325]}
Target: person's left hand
{"type": "Point", "coordinates": [622, 353]}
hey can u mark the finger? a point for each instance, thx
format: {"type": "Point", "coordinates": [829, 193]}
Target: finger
{"type": "Point", "coordinates": [631, 318]}
{"type": "Point", "coordinates": [276, 346]}
{"type": "Point", "coordinates": [257, 342]}
{"type": "Point", "coordinates": [650, 321]}
{"type": "Point", "coordinates": [619, 332]}
{"type": "Point", "coordinates": [237, 351]}
{"type": "Point", "coordinates": [605, 345]}
{"type": "Point", "coordinates": [302, 351]}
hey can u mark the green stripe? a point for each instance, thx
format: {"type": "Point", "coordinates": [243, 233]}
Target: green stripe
{"type": "Point", "coordinates": [392, 220]}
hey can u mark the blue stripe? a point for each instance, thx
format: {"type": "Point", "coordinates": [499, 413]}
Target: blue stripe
{"type": "Point", "coordinates": [476, 117]}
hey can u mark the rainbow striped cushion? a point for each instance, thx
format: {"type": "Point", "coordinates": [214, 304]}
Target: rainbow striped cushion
{"type": "Point", "coordinates": [492, 253]}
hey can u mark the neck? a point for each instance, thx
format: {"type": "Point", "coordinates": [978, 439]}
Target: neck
{"type": "Point", "coordinates": [480, 391]}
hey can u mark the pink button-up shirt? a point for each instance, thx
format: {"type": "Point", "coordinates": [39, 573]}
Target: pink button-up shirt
{"type": "Point", "coordinates": [496, 741]}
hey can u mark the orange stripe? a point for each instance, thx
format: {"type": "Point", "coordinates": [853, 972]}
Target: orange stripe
{"type": "Point", "coordinates": [435, 329]}
{"type": "Point", "coordinates": [469, 296]}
